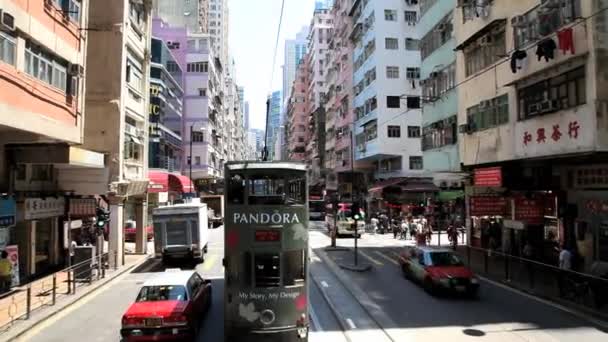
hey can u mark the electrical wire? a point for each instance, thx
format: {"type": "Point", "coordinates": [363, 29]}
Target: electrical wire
{"type": "Point", "coordinates": [500, 62]}
{"type": "Point", "coordinates": [274, 60]}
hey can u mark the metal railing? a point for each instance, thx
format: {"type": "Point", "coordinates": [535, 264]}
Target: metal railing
{"type": "Point", "coordinates": [47, 291]}
{"type": "Point", "coordinates": [586, 291]}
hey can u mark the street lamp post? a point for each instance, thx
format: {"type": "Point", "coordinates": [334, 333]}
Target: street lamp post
{"type": "Point", "coordinates": [190, 157]}
{"type": "Point", "coordinates": [352, 190]}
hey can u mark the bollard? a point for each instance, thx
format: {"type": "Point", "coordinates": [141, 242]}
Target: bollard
{"type": "Point", "coordinates": [69, 282]}
{"type": "Point", "coordinates": [73, 282]}
{"type": "Point", "coordinates": [115, 260]}
{"type": "Point", "coordinates": [99, 267]}
{"type": "Point", "coordinates": [54, 288]}
{"type": "Point", "coordinates": [28, 304]}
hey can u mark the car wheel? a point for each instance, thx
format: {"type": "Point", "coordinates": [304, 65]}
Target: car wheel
{"type": "Point", "coordinates": [206, 249]}
{"type": "Point", "coordinates": [428, 285]}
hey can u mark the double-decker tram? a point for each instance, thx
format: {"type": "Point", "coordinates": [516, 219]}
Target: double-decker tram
{"type": "Point", "coordinates": [266, 252]}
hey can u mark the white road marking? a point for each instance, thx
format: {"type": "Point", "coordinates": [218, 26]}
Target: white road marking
{"type": "Point", "coordinates": [387, 258]}
{"type": "Point", "coordinates": [351, 323]}
{"type": "Point", "coordinates": [324, 283]}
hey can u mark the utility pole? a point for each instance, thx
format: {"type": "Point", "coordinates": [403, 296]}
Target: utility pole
{"type": "Point", "coordinates": [355, 205]}
{"type": "Point", "coordinates": [190, 157]}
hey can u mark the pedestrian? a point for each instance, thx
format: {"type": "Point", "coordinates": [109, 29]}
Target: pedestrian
{"type": "Point", "coordinates": [374, 222]}
{"type": "Point", "coordinates": [72, 252]}
{"type": "Point", "coordinates": [6, 272]}
{"type": "Point", "coordinates": [565, 265]}
{"type": "Point", "coordinates": [404, 230]}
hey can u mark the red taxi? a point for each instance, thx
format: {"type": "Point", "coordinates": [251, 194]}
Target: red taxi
{"type": "Point", "coordinates": [168, 307]}
{"type": "Point", "coordinates": [438, 270]}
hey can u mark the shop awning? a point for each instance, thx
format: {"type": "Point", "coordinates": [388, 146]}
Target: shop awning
{"type": "Point", "coordinates": [379, 186]}
{"type": "Point", "coordinates": [180, 183]}
{"type": "Point", "coordinates": [446, 196]}
{"type": "Point", "coordinates": [159, 181]}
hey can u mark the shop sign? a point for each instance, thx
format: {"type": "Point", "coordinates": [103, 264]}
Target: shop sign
{"type": "Point", "coordinates": [530, 210]}
{"type": "Point", "coordinates": [590, 177]}
{"type": "Point", "coordinates": [488, 206]}
{"type": "Point", "coordinates": [38, 208]}
{"type": "Point", "coordinates": [555, 134]}
{"type": "Point", "coordinates": [597, 206]}
{"type": "Point", "coordinates": [491, 176]}
{"type": "Point", "coordinates": [8, 211]}
{"type": "Point", "coordinates": [13, 257]}
{"type": "Point", "coordinates": [83, 207]}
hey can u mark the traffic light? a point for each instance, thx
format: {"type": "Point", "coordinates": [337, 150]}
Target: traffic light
{"type": "Point", "coordinates": [103, 218]}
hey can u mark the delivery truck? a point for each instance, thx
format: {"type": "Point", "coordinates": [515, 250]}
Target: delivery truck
{"type": "Point", "coordinates": [181, 231]}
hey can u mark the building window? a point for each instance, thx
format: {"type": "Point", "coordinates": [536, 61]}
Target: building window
{"type": "Point", "coordinates": [475, 9]}
{"type": "Point", "coordinates": [370, 76]}
{"type": "Point", "coordinates": [439, 82]}
{"type": "Point", "coordinates": [42, 173]}
{"type": "Point", "coordinates": [412, 73]}
{"type": "Point", "coordinates": [440, 133]}
{"type": "Point", "coordinates": [557, 93]}
{"type": "Point", "coordinates": [198, 137]}
{"type": "Point", "coordinates": [485, 51]}
{"type": "Point", "coordinates": [425, 5]}
{"type": "Point", "coordinates": [391, 43]}
{"type": "Point", "coordinates": [394, 131]}
{"type": "Point", "coordinates": [136, 13]}
{"type": "Point", "coordinates": [416, 163]}
{"type": "Point", "coordinates": [437, 36]}
{"type": "Point", "coordinates": [134, 76]}
{"type": "Point", "coordinates": [390, 15]}
{"type": "Point", "coordinates": [202, 91]}
{"type": "Point", "coordinates": [7, 48]}
{"type": "Point", "coordinates": [132, 150]}
{"type": "Point", "coordinates": [393, 102]}
{"type": "Point", "coordinates": [410, 17]}
{"type": "Point", "coordinates": [198, 67]}
{"type": "Point", "coordinates": [392, 72]}
{"type": "Point", "coordinates": [197, 160]}
{"type": "Point", "coordinates": [412, 44]}
{"type": "Point", "coordinates": [543, 20]}
{"type": "Point", "coordinates": [413, 131]}
{"type": "Point", "coordinates": [45, 67]}
{"type": "Point", "coordinates": [488, 114]}
{"type": "Point", "coordinates": [370, 130]}
{"type": "Point", "coordinates": [389, 165]}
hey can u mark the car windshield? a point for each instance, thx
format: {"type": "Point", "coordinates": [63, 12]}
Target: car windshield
{"type": "Point", "coordinates": [344, 215]}
{"type": "Point", "coordinates": [159, 293]}
{"type": "Point", "coordinates": [444, 259]}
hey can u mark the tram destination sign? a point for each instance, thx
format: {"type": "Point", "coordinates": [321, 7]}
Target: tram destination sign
{"type": "Point", "coordinates": [267, 235]}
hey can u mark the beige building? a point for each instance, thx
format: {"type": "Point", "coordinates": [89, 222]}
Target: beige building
{"type": "Point", "coordinates": [117, 105]}
{"type": "Point", "coordinates": [532, 106]}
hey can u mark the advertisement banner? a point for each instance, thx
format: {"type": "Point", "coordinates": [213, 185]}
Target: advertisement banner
{"type": "Point", "coordinates": [530, 210]}
{"type": "Point", "coordinates": [488, 206]}
{"type": "Point", "coordinates": [39, 208]}
{"type": "Point", "coordinates": [8, 211]}
{"type": "Point", "coordinates": [491, 176]}
{"type": "Point", "coordinates": [13, 256]}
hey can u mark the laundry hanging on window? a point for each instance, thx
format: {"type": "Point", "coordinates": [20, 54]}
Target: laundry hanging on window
{"type": "Point", "coordinates": [546, 48]}
{"type": "Point", "coordinates": [565, 39]}
{"type": "Point", "coordinates": [517, 60]}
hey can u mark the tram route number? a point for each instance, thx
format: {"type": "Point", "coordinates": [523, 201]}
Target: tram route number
{"type": "Point", "coordinates": [268, 296]}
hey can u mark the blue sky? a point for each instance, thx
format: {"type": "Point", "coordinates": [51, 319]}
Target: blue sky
{"type": "Point", "coordinates": [253, 29]}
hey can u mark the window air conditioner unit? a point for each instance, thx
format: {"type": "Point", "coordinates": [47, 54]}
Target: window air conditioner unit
{"type": "Point", "coordinates": [534, 109]}
{"type": "Point", "coordinates": [549, 106]}
{"type": "Point", "coordinates": [76, 70]}
{"type": "Point", "coordinates": [519, 21]}
{"type": "Point", "coordinates": [441, 27]}
{"type": "Point", "coordinates": [7, 21]}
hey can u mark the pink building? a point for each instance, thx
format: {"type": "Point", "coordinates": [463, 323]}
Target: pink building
{"type": "Point", "coordinates": [297, 115]}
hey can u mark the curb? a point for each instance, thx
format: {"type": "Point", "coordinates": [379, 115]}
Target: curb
{"type": "Point", "coordinates": [20, 331]}
{"type": "Point", "coordinates": [353, 268]}
{"type": "Point", "coordinates": [369, 306]}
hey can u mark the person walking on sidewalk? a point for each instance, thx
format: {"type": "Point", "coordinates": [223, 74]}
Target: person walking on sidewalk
{"type": "Point", "coordinates": [565, 265]}
{"type": "Point", "coordinates": [6, 273]}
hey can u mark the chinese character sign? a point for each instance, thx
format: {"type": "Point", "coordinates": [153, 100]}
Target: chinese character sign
{"type": "Point", "coordinates": [556, 134]}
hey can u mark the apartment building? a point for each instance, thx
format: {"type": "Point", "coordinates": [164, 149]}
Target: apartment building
{"type": "Point", "coordinates": [205, 110]}
{"type": "Point", "coordinates": [219, 28]}
{"type": "Point", "coordinates": [339, 109]}
{"type": "Point", "coordinates": [295, 49]}
{"type": "Point", "coordinates": [190, 14]}
{"type": "Point", "coordinates": [532, 121]}
{"type": "Point", "coordinates": [43, 163]}
{"type": "Point", "coordinates": [297, 116]}
{"type": "Point", "coordinates": [387, 92]}
{"type": "Point", "coordinates": [117, 105]}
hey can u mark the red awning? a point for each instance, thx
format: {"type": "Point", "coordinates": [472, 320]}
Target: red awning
{"type": "Point", "coordinates": [386, 183]}
{"type": "Point", "coordinates": [181, 183]}
{"type": "Point", "coordinates": [159, 181]}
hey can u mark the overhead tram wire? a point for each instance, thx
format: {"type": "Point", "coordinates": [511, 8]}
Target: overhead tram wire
{"type": "Point", "coordinates": [274, 60]}
{"type": "Point", "coordinates": [500, 62]}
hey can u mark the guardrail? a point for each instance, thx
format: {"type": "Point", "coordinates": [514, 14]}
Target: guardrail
{"type": "Point", "coordinates": [47, 291]}
{"type": "Point", "coordinates": [541, 279]}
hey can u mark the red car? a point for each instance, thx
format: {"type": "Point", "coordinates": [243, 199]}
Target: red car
{"type": "Point", "coordinates": [438, 270]}
{"type": "Point", "coordinates": [130, 233]}
{"type": "Point", "coordinates": [168, 308]}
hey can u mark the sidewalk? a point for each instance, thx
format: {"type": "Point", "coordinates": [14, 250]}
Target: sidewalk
{"type": "Point", "coordinates": [13, 309]}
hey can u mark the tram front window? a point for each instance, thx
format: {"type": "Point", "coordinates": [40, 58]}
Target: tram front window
{"type": "Point", "coordinates": [267, 270]}
{"type": "Point", "coordinates": [294, 270]}
{"type": "Point", "coordinates": [268, 190]}
{"type": "Point", "coordinates": [236, 189]}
